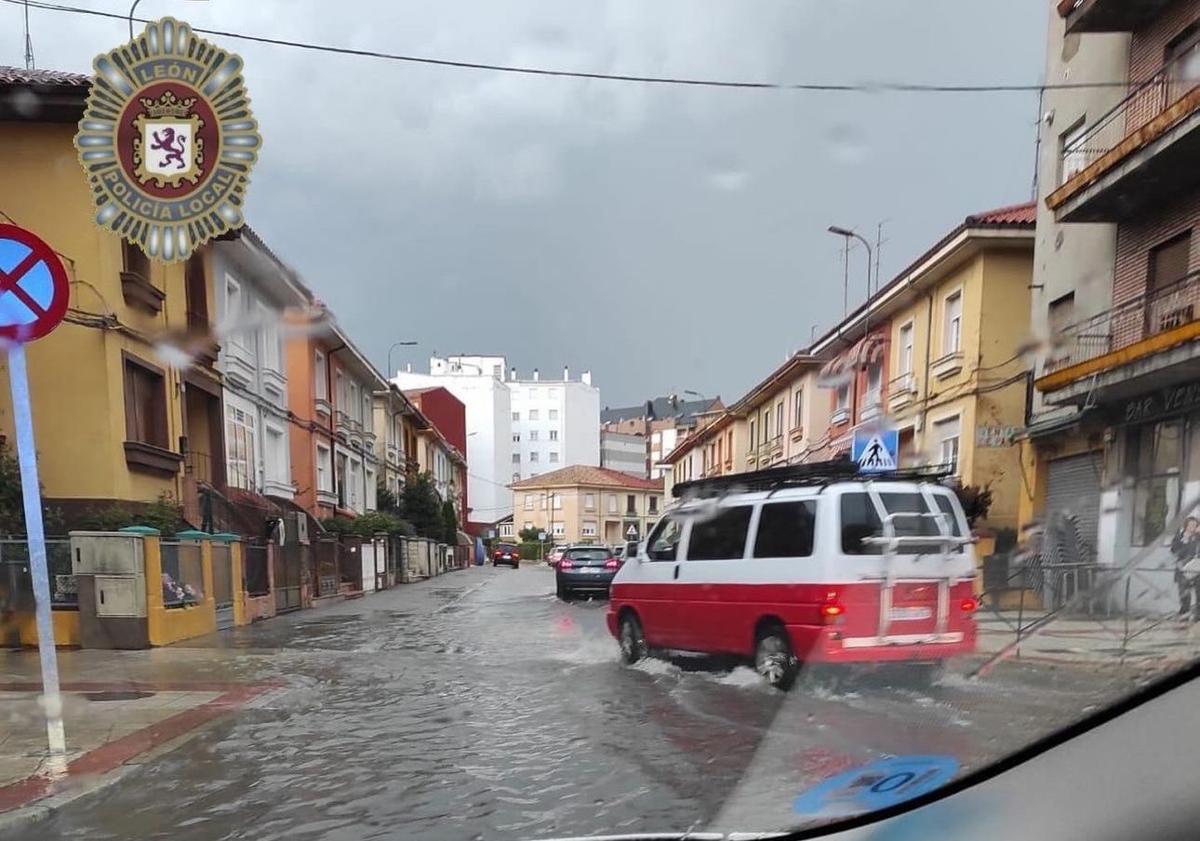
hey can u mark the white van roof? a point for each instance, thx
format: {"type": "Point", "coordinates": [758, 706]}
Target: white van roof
{"type": "Point", "coordinates": [811, 491]}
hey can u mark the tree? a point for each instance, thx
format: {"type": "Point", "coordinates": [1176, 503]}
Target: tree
{"type": "Point", "coordinates": [369, 525]}
{"type": "Point", "coordinates": [12, 501]}
{"type": "Point", "coordinates": [423, 507]}
{"type": "Point", "coordinates": [976, 501]}
{"type": "Point", "coordinates": [449, 523]}
{"type": "Point", "coordinates": [530, 535]}
{"type": "Point", "coordinates": [386, 501]}
{"type": "Point", "coordinates": [164, 514]}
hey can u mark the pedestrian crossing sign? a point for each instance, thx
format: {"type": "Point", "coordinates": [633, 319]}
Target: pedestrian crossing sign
{"type": "Point", "coordinates": [876, 451]}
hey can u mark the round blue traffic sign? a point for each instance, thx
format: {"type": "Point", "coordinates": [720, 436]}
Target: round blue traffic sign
{"type": "Point", "coordinates": [877, 785]}
{"type": "Point", "coordinates": [34, 290]}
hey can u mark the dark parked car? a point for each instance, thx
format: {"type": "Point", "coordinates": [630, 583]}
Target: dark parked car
{"type": "Point", "coordinates": [506, 553]}
{"type": "Point", "coordinates": [585, 569]}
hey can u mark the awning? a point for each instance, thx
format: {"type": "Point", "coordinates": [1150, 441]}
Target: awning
{"type": "Point", "coordinates": [866, 351]}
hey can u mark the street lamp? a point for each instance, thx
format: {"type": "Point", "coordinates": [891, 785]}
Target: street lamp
{"type": "Point", "coordinates": [695, 394]}
{"type": "Point", "coordinates": [395, 345]}
{"type": "Point", "coordinates": [847, 234]}
{"type": "Point", "coordinates": [134, 7]}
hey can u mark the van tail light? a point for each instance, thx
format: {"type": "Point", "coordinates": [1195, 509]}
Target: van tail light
{"type": "Point", "coordinates": [612, 563]}
{"type": "Point", "coordinates": [563, 563]}
{"type": "Point", "coordinates": [832, 613]}
{"type": "Point", "coordinates": [496, 556]}
{"type": "Point", "coordinates": [968, 605]}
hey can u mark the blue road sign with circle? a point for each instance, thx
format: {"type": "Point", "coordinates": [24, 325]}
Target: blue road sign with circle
{"type": "Point", "coordinates": [878, 785]}
{"type": "Point", "coordinates": [33, 285]}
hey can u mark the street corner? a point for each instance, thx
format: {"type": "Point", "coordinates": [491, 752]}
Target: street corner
{"type": "Point", "coordinates": [110, 725]}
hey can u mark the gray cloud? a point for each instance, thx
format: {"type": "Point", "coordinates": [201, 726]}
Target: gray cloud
{"type": "Point", "coordinates": [665, 237]}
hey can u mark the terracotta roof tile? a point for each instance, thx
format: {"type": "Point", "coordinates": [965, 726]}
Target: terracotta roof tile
{"type": "Point", "coordinates": [582, 474]}
{"type": "Point", "coordinates": [1014, 214]}
{"type": "Point", "coordinates": [20, 76]}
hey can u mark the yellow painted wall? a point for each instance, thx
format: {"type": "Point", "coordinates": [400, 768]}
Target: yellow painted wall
{"type": "Point", "coordinates": [66, 628]}
{"type": "Point", "coordinates": [165, 626]}
{"type": "Point", "coordinates": [76, 372]}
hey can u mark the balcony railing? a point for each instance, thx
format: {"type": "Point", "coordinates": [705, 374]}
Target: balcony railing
{"type": "Point", "coordinates": [1147, 315]}
{"type": "Point", "coordinates": [1145, 101]}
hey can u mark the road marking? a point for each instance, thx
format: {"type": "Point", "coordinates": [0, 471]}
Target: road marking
{"type": "Point", "coordinates": [460, 597]}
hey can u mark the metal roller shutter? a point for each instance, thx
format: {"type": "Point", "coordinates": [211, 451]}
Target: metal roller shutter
{"type": "Point", "coordinates": [1073, 486]}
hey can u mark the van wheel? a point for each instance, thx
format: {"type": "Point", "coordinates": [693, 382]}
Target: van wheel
{"type": "Point", "coordinates": [773, 658]}
{"type": "Point", "coordinates": [631, 638]}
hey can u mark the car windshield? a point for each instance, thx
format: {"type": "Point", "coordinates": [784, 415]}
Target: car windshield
{"type": "Point", "coordinates": [587, 554]}
{"type": "Point", "coordinates": [535, 419]}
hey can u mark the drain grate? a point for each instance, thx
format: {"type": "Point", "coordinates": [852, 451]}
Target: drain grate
{"type": "Point", "coordinates": [117, 695]}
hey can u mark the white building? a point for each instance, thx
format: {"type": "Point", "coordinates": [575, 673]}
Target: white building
{"type": "Point", "coordinates": [478, 381]}
{"type": "Point", "coordinates": [252, 289]}
{"type": "Point", "coordinates": [624, 451]}
{"type": "Point", "coordinates": [555, 423]}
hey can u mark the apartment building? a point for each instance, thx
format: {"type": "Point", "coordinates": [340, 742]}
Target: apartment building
{"type": "Point", "coordinates": [394, 417]}
{"type": "Point", "coordinates": [587, 504]}
{"type": "Point", "coordinates": [662, 422]}
{"type": "Point", "coordinates": [1127, 372]}
{"type": "Point", "coordinates": [623, 451]}
{"type": "Point", "coordinates": [554, 423]}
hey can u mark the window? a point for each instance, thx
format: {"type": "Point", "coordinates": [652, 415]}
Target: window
{"type": "Point", "coordinates": [843, 396]}
{"type": "Point", "coordinates": [630, 504]}
{"type": "Point", "coordinates": [874, 384]}
{"type": "Point", "coordinates": [516, 458]}
{"type": "Point", "coordinates": [720, 538]}
{"type": "Point", "coordinates": [533, 414]}
{"type": "Point", "coordinates": [753, 437]}
{"type": "Point", "coordinates": [557, 502]}
{"type": "Point", "coordinates": [553, 457]}
{"type": "Point", "coordinates": [1060, 314]}
{"type": "Point", "coordinates": [1169, 261]}
{"type": "Point", "coordinates": [946, 433]}
{"type": "Point", "coordinates": [145, 404]}
{"type": "Point", "coordinates": [516, 438]}
{"type": "Point", "coordinates": [612, 503]}
{"type": "Point", "coordinates": [798, 404]}
{"type": "Point", "coordinates": [785, 530]}
{"type": "Point", "coordinates": [533, 457]}
{"type": "Point", "coordinates": [553, 434]}
{"type": "Point", "coordinates": [1153, 454]}
{"type": "Point", "coordinates": [652, 509]}
{"type": "Point", "coordinates": [320, 376]}
{"type": "Point", "coordinates": [663, 543]}
{"type": "Point", "coordinates": [559, 529]}
{"type": "Point", "coordinates": [952, 324]}
{"type": "Point", "coordinates": [516, 477]}
{"type": "Point", "coordinates": [554, 414]}
{"type": "Point", "coordinates": [371, 489]}
{"type": "Point", "coordinates": [1183, 57]}
{"type": "Point", "coordinates": [276, 453]}
{"type": "Point", "coordinates": [589, 528]}
{"type": "Point", "coordinates": [1072, 151]}
{"type": "Point", "coordinates": [766, 424]}
{"type": "Point", "coordinates": [355, 484]}
{"type": "Point", "coordinates": [324, 469]}
{"type": "Point", "coordinates": [779, 418]}
{"type": "Point", "coordinates": [533, 392]}
{"type": "Point", "coordinates": [589, 502]}
{"type": "Point", "coordinates": [905, 360]}
{"type": "Point", "coordinates": [270, 337]}
{"type": "Point", "coordinates": [528, 502]}
{"type": "Point", "coordinates": [234, 304]}
{"type": "Point", "coordinates": [354, 409]}
{"type": "Point", "coordinates": [516, 416]}
{"type": "Point", "coordinates": [533, 435]}
{"type": "Point", "coordinates": [506, 530]}
{"type": "Point", "coordinates": [859, 520]}
{"type": "Point", "coordinates": [339, 382]}
{"type": "Point", "coordinates": [135, 261]}
{"type": "Point", "coordinates": [497, 373]}
{"type": "Point", "coordinates": [239, 448]}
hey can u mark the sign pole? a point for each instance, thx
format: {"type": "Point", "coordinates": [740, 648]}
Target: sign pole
{"type": "Point", "coordinates": [31, 493]}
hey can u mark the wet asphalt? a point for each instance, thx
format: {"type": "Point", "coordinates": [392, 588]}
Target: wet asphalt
{"type": "Point", "coordinates": [479, 706]}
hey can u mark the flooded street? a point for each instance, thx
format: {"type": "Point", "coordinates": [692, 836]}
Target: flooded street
{"type": "Point", "coordinates": [477, 705]}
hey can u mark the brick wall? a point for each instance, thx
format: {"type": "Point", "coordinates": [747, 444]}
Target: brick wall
{"type": "Point", "coordinates": [1147, 52]}
{"type": "Point", "coordinates": [1136, 238]}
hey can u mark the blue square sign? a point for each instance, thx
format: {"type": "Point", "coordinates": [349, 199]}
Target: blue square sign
{"type": "Point", "coordinates": [876, 450]}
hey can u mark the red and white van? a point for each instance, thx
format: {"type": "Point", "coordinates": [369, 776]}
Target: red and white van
{"type": "Point", "coordinates": [858, 571]}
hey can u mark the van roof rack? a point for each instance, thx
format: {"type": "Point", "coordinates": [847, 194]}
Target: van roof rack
{"type": "Point", "coordinates": [803, 475]}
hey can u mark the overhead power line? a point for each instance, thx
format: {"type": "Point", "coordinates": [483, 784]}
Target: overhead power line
{"type": "Point", "coordinates": [816, 87]}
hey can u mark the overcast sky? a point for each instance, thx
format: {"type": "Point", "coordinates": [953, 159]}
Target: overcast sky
{"type": "Point", "coordinates": [665, 237]}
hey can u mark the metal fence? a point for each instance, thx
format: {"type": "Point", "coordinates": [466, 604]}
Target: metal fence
{"type": "Point", "coordinates": [1147, 315]}
{"type": "Point", "coordinates": [255, 574]}
{"type": "Point", "coordinates": [16, 582]}
{"type": "Point", "coordinates": [182, 574]}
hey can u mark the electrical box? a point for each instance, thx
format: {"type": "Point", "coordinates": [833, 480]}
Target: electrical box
{"type": "Point", "coordinates": [107, 553]}
{"type": "Point", "coordinates": [120, 595]}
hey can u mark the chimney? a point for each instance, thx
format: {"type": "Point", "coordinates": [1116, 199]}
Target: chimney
{"type": "Point", "coordinates": [586, 379]}
{"type": "Point", "coordinates": [513, 374]}
{"type": "Point", "coordinates": [535, 375]}
{"type": "Point", "coordinates": [566, 374]}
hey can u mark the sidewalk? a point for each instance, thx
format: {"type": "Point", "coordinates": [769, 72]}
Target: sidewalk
{"type": "Point", "coordinates": [1157, 642]}
{"type": "Point", "coordinates": [119, 710]}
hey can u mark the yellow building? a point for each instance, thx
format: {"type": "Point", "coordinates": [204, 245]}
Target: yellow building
{"type": "Point", "coordinates": [583, 504]}
{"type": "Point", "coordinates": [958, 318]}
{"type": "Point", "coordinates": [113, 421]}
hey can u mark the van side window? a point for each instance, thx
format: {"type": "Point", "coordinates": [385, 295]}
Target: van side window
{"type": "Point", "coordinates": [720, 538]}
{"type": "Point", "coordinates": [663, 543]}
{"type": "Point", "coordinates": [947, 507]}
{"type": "Point", "coordinates": [859, 520]}
{"type": "Point", "coordinates": [785, 530]}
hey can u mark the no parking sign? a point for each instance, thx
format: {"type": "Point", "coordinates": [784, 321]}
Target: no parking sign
{"type": "Point", "coordinates": [877, 785]}
{"type": "Point", "coordinates": [33, 286]}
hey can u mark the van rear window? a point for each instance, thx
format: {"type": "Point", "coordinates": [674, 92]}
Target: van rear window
{"type": "Point", "coordinates": [860, 520]}
{"type": "Point", "coordinates": [720, 538]}
{"type": "Point", "coordinates": [785, 530]}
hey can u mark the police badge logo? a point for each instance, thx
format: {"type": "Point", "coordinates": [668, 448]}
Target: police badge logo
{"type": "Point", "coordinates": [168, 141]}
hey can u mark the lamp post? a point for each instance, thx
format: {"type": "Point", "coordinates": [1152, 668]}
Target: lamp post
{"type": "Point", "coordinates": [846, 233]}
{"type": "Point", "coordinates": [392, 348]}
{"type": "Point", "coordinates": [133, 8]}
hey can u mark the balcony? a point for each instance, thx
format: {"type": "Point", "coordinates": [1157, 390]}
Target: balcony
{"type": "Point", "coordinates": [872, 406]}
{"type": "Point", "coordinates": [1142, 336]}
{"type": "Point", "coordinates": [393, 454]}
{"type": "Point", "coordinates": [840, 416]}
{"type": "Point", "coordinates": [323, 407]}
{"type": "Point", "coordinates": [947, 365]}
{"type": "Point", "coordinates": [1140, 156]}
{"type": "Point", "coordinates": [901, 391]}
{"type": "Point", "coordinates": [1109, 15]}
